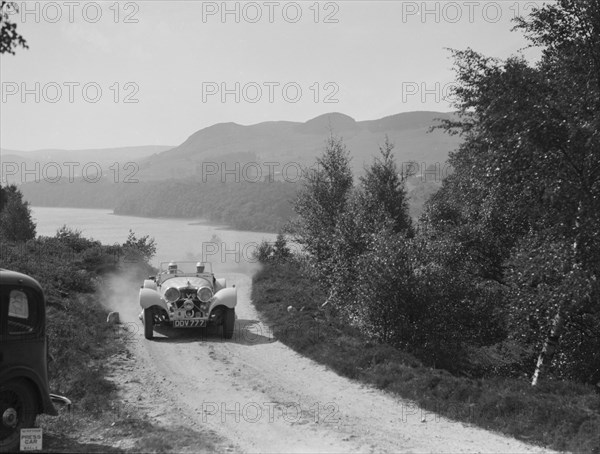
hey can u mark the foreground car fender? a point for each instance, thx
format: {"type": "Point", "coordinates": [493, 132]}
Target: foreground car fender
{"type": "Point", "coordinates": [150, 297]}
{"type": "Point", "coordinates": [226, 297]}
{"type": "Point", "coordinates": [35, 381]}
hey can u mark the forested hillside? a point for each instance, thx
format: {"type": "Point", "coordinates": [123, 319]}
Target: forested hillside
{"type": "Point", "coordinates": [262, 206]}
{"type": "Point", "coordinates": [245, 206]}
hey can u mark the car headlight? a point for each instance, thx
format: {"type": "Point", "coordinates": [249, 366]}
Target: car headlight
{"type": "Point", "coordinates": [205, 294]}
{"type": "Point", "coordinates": [172, 294]}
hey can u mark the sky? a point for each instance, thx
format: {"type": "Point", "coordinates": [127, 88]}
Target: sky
{"type": "Point", "coordinates": [108, 74]}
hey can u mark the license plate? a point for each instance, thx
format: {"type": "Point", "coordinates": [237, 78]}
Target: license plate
{"type": "Point", "coordinates": [188, 323]}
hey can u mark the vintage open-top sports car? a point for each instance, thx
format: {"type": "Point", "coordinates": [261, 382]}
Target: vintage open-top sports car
{"type": "Point", "coordinates": [187, 295]}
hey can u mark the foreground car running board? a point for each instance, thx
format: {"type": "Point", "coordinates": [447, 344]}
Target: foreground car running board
{"type": "Point", "coordinates": [61, 400]}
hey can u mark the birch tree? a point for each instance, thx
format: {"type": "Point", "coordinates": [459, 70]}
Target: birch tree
{"type": "Point", "coordinates": [530, 161]}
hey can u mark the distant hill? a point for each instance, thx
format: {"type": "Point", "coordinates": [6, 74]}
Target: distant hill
{"type": "Point", "coordinates": [285, 142]}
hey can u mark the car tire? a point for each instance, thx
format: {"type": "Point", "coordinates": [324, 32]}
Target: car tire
{"type": "Point", "coordinates": [18, 410]}
{"type": "Point", "coordinates": [229, 323]}
{"type": "Point", "coordinates": [148, 324]}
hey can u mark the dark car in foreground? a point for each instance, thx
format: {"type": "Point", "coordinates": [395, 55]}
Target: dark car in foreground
{"type": "Point", "coordinates": [24, 391]}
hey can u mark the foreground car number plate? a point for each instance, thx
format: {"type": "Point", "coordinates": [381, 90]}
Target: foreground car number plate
{"type": "Point", "coordinates": [188, 323]}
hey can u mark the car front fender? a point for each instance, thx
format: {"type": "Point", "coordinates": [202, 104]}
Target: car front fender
{"type": "Point", "coordinates": [149, 283]}
{"type": "Point", "coordinates": [221, 284]}
{"type": "Point", "coordinates": [149, 298]}
{"type": "Point", "coordinates": [225, 297]}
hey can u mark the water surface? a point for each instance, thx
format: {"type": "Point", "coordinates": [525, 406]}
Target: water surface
{"type": "Point", "coordinates": [176, 239]}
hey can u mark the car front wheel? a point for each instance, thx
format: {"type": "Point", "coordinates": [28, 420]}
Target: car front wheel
{"type": "Point", "coordinates": [148, 324]}
{"type": "Point", "coordinates": [229, 323]}
{"type": "Point", "coordinates": [18, 410]}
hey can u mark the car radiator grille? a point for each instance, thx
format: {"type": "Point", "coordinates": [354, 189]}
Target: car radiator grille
{"type": "Point", "coordinates": [179, 303]}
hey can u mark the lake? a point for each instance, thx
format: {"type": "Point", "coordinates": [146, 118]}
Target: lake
{"type": "Point", "coordinates": [176, 239]}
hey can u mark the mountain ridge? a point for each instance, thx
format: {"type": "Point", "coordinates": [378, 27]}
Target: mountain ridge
{"type": "Point", "coordinates": [231, 145]}
{"type": "Point", "coordinates": [302, 142]}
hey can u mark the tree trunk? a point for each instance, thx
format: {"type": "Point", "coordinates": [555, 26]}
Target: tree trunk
{"type": "Point", "coordinates": [549, 346]}
{"type": "Point", "coordinates": [558, 323]}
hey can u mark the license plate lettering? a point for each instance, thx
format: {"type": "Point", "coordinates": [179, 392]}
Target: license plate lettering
{"type": "Point", "coordinates": [188, 323]}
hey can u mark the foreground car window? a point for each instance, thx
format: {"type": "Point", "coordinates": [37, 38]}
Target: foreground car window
{"type": "Point", "coordinates": [18, 306]}
{"type": "Point", "coordinates": [21, 313]}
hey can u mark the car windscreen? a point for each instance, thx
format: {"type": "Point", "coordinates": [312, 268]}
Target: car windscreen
{"type": "Point", "coordinates": [185, 267]}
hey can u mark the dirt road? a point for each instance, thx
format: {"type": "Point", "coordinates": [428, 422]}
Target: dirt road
{"type": "Point", "coordinates": [262, 397]}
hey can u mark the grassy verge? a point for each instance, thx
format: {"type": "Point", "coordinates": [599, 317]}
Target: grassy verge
{"type": "Point", "coordinates": [558, 415]}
